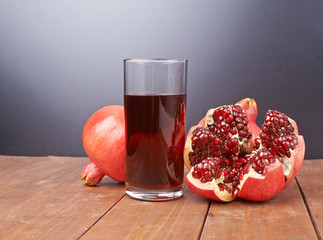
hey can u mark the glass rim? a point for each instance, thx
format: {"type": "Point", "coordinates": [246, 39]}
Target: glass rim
{"type": "Point", "coordinates": [145, 60]}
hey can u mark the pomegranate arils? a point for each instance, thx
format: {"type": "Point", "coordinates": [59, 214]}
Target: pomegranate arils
{"type": "Point", "coordinates": [204, 144]}
{"type": "Point", "coordinates": [223, 139]}
{"type": "Point", "coordinates": [207, 169]}
{"type": "Point", "coordinates": [277, 134]}
{"type": "Point", "coordinates": [260, 159]}
{"type": "Point", "coordinates": [232, 168]}
{"type": "Point", "coordinates": [223, 187]}
{"type": "Point", "coordinates": [231, 126]}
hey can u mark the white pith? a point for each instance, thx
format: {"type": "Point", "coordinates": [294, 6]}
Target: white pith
{"type": "Point", "coordinates": [287, 166]}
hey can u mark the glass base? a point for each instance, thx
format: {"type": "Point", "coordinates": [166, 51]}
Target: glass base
{"type": "Point", "coordinates": [154, 195]}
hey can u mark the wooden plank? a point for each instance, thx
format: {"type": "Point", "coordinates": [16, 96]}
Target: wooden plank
{"type": "Point", "coordinates": [58, 205]}
{"type": "Point", "coordinates": [12, 163]}
{"type": "Point", "coordinates": [310, 179]}
{"type": "Point", "coordinates": [282, 217]}
{"type": "Point", "coordinates": [44, 198]}
{"type": "Point", "coordinates": [33, 178]}
{"type": "Point", "coordinates": [132, 219]}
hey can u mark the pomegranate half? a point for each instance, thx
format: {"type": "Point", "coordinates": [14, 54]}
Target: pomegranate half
{"type": "Point", "coordinates": [229, 156]}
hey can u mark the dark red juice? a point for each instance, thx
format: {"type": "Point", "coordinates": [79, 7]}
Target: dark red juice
{"type": "Point", "coordinates": [155, 135]}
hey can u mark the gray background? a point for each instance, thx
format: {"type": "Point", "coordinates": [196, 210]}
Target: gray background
{"type": "Point", "coordinates": [60, 61]}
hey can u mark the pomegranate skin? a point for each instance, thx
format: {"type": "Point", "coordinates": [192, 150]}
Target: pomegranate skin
{"type": "Point", "coordinates": [258, 188]}
{"type": "Point", "coordinates": [104, 141]}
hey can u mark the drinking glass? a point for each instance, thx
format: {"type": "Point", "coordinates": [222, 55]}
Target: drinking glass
{"type": "Point", "coordinates": [155, 113]}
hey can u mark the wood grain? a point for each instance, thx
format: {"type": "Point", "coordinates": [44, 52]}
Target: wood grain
{"type": "Point", "coordinates": [282, 217]}
{"type": "Point", "coordinates": [310, 179]}
{"type": "Point", "coordinates": [55, 203]}
{"type": "Point", "coordinates": [44, 198]}
{"type": "Point", "coordinates": [133, 219]}
{"type": "Point", "coordinates": [12, 163]}
{"type": "Point", "coordinates": [25, 177]}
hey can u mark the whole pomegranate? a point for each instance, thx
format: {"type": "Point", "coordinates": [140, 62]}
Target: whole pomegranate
{"type": "Point", "coordinates": [104, 142]}
{"type": "Point", "coordinates": [229, 156]}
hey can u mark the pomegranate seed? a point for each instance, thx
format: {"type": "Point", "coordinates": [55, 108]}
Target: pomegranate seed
{"type": "Point", "coordinates": [238, 120]}
{"type": "Point", "coordinates": [229, 119]}
{"type": "Point", "coordinates": [246, 168]}
{"type": "Point", "coordinates": [240, 175]}
{"type": "Point", "coordinates": [235, 192]}
{"type": "Point", "coordinates": [207, 170]}
{"type": "Point", "coordinates": [233, 131]}
{"type": "Point", "coordinates": [235, 150]}
{"type": "Point", "coordinates": [243, 133]}
{"type": "Point", "coordinates": [223, 187]}
{"type": "Point", "coordinates": [286, 145]}
{"type": "Point", "coordinates": [282, 150]}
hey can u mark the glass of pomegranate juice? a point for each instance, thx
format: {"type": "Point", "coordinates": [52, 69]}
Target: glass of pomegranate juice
{"type": "Point", "coordinates": [155, 113]}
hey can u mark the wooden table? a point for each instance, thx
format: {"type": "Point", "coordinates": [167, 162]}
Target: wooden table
{"type": "Point", "coordinates": [44, 198]}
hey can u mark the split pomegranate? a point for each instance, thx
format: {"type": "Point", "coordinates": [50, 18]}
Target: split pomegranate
{"type": "Point", "coordinates": [104, 142]}
{"type": "Point", "coordinates": [229, 156]}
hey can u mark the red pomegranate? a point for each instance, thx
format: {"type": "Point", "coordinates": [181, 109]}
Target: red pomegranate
{"type": "Point", "coordinates": [229, 156]}
{"type": "Point", "coordinates": [104, 142]}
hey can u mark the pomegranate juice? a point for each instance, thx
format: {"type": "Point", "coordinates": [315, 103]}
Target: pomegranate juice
{"type": "Point", "coordinates": [155, 135]}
